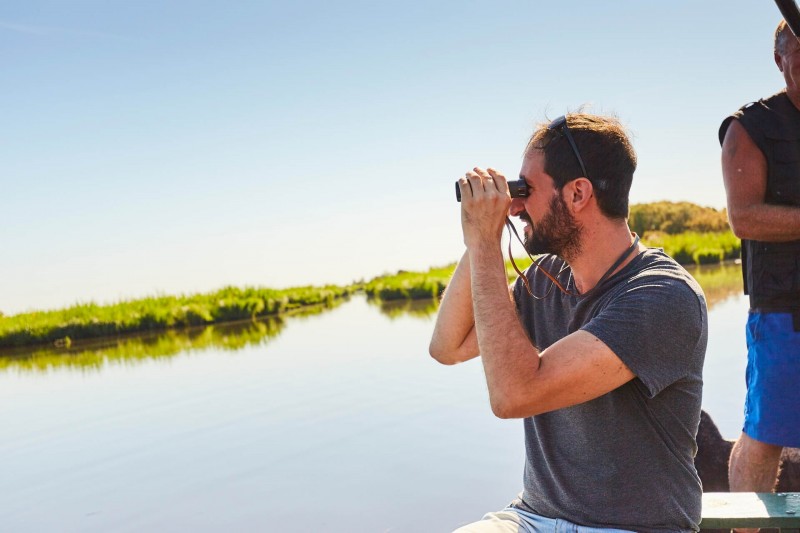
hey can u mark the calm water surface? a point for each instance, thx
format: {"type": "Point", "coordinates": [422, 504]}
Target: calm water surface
{"type": "Point", "coordinates": [339, 422]}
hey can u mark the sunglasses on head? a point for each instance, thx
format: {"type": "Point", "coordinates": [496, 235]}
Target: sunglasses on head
{"type": "Point", "coordinates": [560, 125]}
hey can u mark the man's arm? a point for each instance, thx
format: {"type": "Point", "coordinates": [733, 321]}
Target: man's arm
{"type": "Point", "coordinates": [744, 170]}
{"type": "Point", "coordinates": [522, 381]}
{"type": "Point", "coordinates": [454, 339]}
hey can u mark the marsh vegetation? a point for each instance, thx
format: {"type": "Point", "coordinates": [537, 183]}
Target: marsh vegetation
{"type": "Point", "coordinates": [692, 234]}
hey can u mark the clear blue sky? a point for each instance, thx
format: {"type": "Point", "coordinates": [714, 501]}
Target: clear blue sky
{"type": "Point", "coordinates": [179, 146]}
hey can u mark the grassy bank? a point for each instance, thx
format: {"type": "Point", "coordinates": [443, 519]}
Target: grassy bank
{"type": "Point", "coordinates": [696, 248]}
{"type": "Point", "coordinates": [90, 321]}
{"type": "Point", "coordinates": [688, 248]}
{"type": "Point", "coordinates": [417, 285]}
{"type": "Point", "coordinates": [85, 321]}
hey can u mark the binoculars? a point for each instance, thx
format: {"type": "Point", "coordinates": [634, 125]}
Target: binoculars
{"type": "Point", "coordinates": [517, 188]}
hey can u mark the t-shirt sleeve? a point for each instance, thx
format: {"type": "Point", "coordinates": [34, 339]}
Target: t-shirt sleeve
{"type": "Point", "coordinates": [654, 327]}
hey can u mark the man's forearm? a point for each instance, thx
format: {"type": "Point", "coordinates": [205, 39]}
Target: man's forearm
{"type": "Point", "coordinates": [509, 358]}
{"type": "Point", "coordinates": [453, 338]}
{"type": "Point", "coordinates": [766, 222]}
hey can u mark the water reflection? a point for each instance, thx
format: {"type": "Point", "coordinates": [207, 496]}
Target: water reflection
{"type": "Point", "coordinates": [720, 282]}
{"type": "Point", "coordinates": [151, 430]}
{"type": "Point", "coordinates": [421, 308]}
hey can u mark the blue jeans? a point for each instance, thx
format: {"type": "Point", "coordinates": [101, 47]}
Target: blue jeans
{"type": "Point", "coordinates": [513, 520]}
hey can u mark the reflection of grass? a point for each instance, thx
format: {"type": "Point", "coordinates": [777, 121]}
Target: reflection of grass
{"type": "Point", "coordinates": [719, 282]}
{"type": "Point", "coordinates": [91, 355]}
{"type": "Point", "coordinates": [230, 304]}
{"type": "Point", "coordinates": [420, 308]}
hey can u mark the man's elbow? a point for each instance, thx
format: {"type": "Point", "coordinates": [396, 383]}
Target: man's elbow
{"type": "Point", "coordinates": [502, 411]}
{"type": "Point", "coordinates": [505, 407]}
{"type": "Point", "coordinates": [441, 355]}
{"type": "Point", "coordinates": [741, 224]}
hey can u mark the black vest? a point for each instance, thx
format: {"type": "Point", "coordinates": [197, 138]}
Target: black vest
{"type": "Point", "coordinates": [772, 269]}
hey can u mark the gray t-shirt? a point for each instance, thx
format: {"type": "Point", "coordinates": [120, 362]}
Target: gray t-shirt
{"type": "Point", "coordinates": [625, 459]}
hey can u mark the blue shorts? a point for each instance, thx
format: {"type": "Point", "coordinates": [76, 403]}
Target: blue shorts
{"type": "Point", "coordinates": [772, 405]}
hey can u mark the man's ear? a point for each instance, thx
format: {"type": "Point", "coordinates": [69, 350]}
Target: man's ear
{"type": "Point", "coordinates": [777, 57]}
{"type": "Point", "coordinates": [578, 193]}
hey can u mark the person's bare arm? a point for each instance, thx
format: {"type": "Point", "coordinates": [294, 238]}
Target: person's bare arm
{"type": "Point", "coordinates": [453, 339]}
{"type": "Point", "coordinates": [744, 170]}
{"type": "Point", "coordinates": [522, 381]}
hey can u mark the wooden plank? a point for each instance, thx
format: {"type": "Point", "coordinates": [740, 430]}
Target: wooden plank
{"type": "Point", "coordinates": [750, 509]}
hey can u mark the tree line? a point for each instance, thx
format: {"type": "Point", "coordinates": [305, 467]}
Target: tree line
{"type": "Point", "coordinates": [677, 217]}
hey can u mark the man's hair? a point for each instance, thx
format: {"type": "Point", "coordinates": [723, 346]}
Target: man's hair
{"type": "Point", "coordinates": [606, 151]}
{"type": "Point", "coordinates": [782, 35]}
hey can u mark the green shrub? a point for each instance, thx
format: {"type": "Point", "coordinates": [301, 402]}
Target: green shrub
{"type": "Point", "coordinates": [684, 246]}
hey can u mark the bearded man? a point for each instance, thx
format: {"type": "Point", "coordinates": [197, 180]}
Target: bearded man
{"type": "Point", "coordinates": [599, 346]}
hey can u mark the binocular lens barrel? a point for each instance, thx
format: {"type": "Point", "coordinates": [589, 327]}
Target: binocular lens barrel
{"type": "Point", "coordinates": [517, 189]}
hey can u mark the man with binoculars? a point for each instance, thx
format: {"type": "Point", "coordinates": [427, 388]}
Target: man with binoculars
{"type": "Point", "coordinates": [599, 346]}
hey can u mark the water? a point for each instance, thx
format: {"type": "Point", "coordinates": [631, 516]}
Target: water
{"type": "Point", "coordinates": [340, 422]}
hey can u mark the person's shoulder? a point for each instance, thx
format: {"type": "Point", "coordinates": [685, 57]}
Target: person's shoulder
{"type": "Point", "coordinates": [755, 116]}
{"type": "Point", "coordinates": [656, 267]}
{"type": "Point", "coordinates": [739, 114]}
{"type": "Point", "coordinates": [776, 102]}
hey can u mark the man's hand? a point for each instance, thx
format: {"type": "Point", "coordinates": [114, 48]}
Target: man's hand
{"type": "Point", "coordinates": [484, 206]}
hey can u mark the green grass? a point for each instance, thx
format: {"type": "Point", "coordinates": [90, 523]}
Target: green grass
{"type": "Point", "coordinates": [688, 248]}
{"type": "Point", "coordinates": [696, 248]}
{"type": "Point", "coordinates": [84, 321]}
{"type": "Point", "coordinates": [418, 285]}
{"type": "Point", "coordinates": [719, 283]}
{"type": "Point", "coordinates": [88, 321]}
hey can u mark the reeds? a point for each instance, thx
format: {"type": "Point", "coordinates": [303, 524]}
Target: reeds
{"type": "Point", "coordinates": [419, 285]}
{"type": "Point", "coordinates": [696, 248]}
{"type": "Point", "coordinates": [90, 320]}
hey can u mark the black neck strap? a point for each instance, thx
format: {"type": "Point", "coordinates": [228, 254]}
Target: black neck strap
{"type": "Point", "coordinates": [619, 261]}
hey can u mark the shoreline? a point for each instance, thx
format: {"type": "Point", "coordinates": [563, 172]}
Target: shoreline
{"type": "Point", "coordinates": [82, 323]}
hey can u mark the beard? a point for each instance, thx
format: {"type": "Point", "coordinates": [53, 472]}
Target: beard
{"type": "Point", "coordinates": [556, 233]}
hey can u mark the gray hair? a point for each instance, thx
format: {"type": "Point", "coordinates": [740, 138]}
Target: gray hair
{"type": "Point", "coordinates": [782, 35]}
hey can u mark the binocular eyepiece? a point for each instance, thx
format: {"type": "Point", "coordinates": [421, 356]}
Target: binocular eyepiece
{"type": "Point", "coordinates": [517, 189]}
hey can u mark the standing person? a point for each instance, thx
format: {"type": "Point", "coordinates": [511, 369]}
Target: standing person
{"type": "Point", "coordinates": [761, 169]}
{"type": "Point", "coordinates": [605, 367]}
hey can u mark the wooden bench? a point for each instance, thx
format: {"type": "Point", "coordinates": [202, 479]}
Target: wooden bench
{"type": "Point", "coordinates": [725, 510]}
